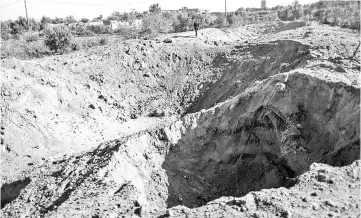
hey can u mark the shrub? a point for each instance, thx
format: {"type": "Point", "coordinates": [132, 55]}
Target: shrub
{"type": "Point", "coordinates": [5, 30]}
{"type": "Point", "coordinates": [31, 36]}
{"type": "Point", "coordinates": [84, 20]}
{"type": "Point", "coordinates": [81, 30]}
{"type": "Point", "coordinates": [155, 8]}
{"type": "Point", "coordinates": [59, 39]}
{"type": "Point", "coordinates": [128, 32]}
{"type": "Point", "coordinates": [75, 46]}
{"type": "Point", "coordinates": [148, 34]}
{"type": "Point", "coordinates": [5, 35]}
{"type": "Point", "coordinates": [183, 23]}
{"type": "Point", "coordinates": [23, 50]}
{"type": "Point", "coordinates": [18, 37]}
{"type": "Point", "coordinates": [44, 32]}
{"type": "Point", "coordinates": [342, 13]}
{"type": "Point", "coordinates": [100, 29]}
{"type": "Point", "coordinates": [103, 41]}
{"type": "Point", "coordinates": [355, 24]}
{"type": "Point", "coordinates": [157, 23]}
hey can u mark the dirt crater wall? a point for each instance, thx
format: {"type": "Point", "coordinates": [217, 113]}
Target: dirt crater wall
{"type": "Point", "coordinates": [249, 63]}
{"type": "Point", "coordinates": [221, 154]}
{"type": "Point", "coordinates": [75, 101]}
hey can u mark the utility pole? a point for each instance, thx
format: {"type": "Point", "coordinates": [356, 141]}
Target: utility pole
{"type": "Point", "coordinates": [225, 9]}
{"type": "Point", "coordinates": [27, 19]}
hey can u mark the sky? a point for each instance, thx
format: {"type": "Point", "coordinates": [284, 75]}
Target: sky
{"type": "Point", "coordinates": [12, 9]}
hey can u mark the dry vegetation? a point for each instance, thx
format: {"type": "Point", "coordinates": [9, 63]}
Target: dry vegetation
{"type": "Point", "coordinates": [17, 42]}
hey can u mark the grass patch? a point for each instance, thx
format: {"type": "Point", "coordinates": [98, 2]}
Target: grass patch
{"type": "Point", "coordinates": [26, 48]}
{"type": "Point", "coordinates": [23, 49]}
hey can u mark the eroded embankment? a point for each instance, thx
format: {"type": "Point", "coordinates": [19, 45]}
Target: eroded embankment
{"type": "Point", "coordinates": [256, 140]}
{"type": "Point", "coordinates": [247, 64]}
{"type": "Point", "coordinates": [73, 102]}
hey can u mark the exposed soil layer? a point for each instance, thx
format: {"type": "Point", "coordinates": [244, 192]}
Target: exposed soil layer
{"type": "Point", "coordinates": [324, 191]}
{"type": "Point", "coordinates": [11, 191]}
{"type": "Point", "coordinates": [271, 132]}
{"type": "Point", "coordinates": [152, 129]}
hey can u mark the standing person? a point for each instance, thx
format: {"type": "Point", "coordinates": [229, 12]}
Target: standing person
{"type": "Point", "coordinates": [196, 27]}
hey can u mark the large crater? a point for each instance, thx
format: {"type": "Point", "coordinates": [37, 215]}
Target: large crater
{"type": "Point", "coordinates": [264, 138]}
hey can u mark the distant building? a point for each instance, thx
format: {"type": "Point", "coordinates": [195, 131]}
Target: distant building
{"type": "Point", "coordinates": [95, 23]}
{"type": "Point", "coordinates": [115, 24]}
{"type": "Point", "coordinates": [193, 10]}
{"type": "Point", "coordinates": [170, 11]}
{"type": "Point", "coordinates": [188, 10]}
{"type": "Point", "coordinates": [263, 4]}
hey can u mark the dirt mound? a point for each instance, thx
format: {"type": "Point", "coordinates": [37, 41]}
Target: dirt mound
{"type": "Point", "coordinates": [158, 125]}
{"type": "Point", "coordinates": [213, 36]}
{"type": "Point", "coordinates": [274, 27]}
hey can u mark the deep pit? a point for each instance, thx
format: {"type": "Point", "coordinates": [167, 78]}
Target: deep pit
{"type": "Point", "coordinates": [261, 139]}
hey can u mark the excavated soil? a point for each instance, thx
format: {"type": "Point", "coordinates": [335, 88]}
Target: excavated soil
{"type": "Point", "coordinates": [230, 124]}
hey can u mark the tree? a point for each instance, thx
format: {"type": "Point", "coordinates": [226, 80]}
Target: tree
{"type": "Point", "coordinates": [296, 12]}
{"type": "Point", "coordinates": [58, 39]}
{"type": "Point", "coordinates": [271, 17]}
{"type": "Point", "coordinates": [34, 25]}
{"type": "Point", "coordinates": [277, 8]}
{"type": "Point", "coordinates": [320, 5]}
{"type": "Point", "coordinates": [156, 23]}
{"type": "Point", "coordinates": [208, 19]}
{"type": "Point", "coordinates": [58, 20]}
{"type": "Point", "coordinates": [184, 22]}
{"type": "Point", "coordinates": [307, 11]}
{"type": "Point", "coordinates": [6, 30]}
{"type": "Point", "coordinates": [18, 26]}
{"type": "Point", "coordinates": [241, 12]}
{"type": "Point", "coordinates": [231, 18]}
{"type": "Point", "coordinates": [296, 4]}
{"type": "Point", "coordinates": [155, 9]}
{"type": "Point", "coordinates": [22, 21]}
{"type": "Point", "coordinates": [84, 20]}
{"type": "Point", "coordinates": [45, 20]}
{"type": "Point", "coordinates": [283, 14]}
{"type": "Point", "coordinates": [99, 18]}
{"type": "Point", "coordinates": [220, 21]}
{"type": "Point", "coordinates": [116, 15]}
{"type": "Point", "coordinates": [70, 19]}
